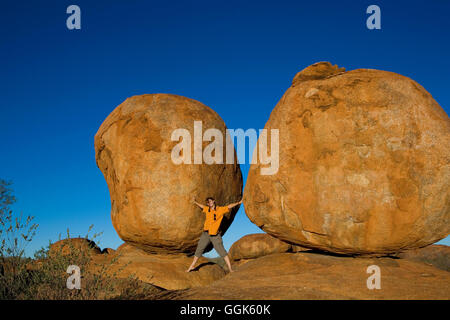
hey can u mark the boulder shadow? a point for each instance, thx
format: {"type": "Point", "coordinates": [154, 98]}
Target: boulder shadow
{"type": "Point", "coordinates": [325, 253]}
{"type": "Point", "coordinates": [342, 255]}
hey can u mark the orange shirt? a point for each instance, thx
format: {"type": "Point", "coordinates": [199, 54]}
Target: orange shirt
{"type": "Point", "coordinates": [213, 219]}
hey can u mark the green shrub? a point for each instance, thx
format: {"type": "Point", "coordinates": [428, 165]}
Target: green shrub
{"type": "Point", "coordinates": [45, 277]}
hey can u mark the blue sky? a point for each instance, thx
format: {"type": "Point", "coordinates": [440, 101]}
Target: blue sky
{"type": "Point", "coordinates": [58, 85]}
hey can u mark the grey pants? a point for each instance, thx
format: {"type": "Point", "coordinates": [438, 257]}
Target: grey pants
{"type": "Point", "coordinates": [205, 239]}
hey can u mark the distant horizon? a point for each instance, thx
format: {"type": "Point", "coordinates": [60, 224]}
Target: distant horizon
{"type": "Point", "coordinates": [59, 85]}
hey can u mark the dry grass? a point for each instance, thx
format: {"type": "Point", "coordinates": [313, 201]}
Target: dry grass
{"type": "Point", "coordinates": [45, 277]}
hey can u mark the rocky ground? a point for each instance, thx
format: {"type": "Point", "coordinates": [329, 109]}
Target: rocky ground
{"type": "Point", "coordinates": [311, 275]}
{"type": "Point", "coordinates": [292, 275]}
{"type": "Point", "coordinates": [307, 275]}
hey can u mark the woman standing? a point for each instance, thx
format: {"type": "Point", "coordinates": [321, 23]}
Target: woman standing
{"type": "Point", "coordinates": [214, 216]}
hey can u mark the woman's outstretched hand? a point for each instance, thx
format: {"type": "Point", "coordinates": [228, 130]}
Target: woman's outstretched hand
{"type": "Point", "coordinates": [232, 205]}
{"type": "Point", "coordinates": [198, 204]}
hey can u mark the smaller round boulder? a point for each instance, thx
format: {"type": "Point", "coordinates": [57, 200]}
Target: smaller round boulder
{"type": "Point", "coordinates": [257, 245]}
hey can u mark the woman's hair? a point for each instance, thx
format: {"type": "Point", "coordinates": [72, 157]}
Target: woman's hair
{"type": "Point", "coordinates": [209, 209]}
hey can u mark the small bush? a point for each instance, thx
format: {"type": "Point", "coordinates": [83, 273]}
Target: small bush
{"type": "Point", "coordinates": [45, 277]}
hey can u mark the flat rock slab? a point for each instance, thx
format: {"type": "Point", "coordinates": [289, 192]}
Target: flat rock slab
{"type": "Point", "coordinates": [307, 275]}
{"type": "Point", "coordinates": [166, 271]}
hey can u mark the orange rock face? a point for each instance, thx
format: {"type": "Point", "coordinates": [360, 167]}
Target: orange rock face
{"type": "Point", "coordinates": [151, 196]}
{"type": "Point", "coordinates": [257, 245]}
{"type": "Point", "coordinates": [364, 164]}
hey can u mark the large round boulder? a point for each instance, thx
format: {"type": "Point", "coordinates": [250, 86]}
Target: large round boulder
{"type": "Point", "coordinates": [312, 276]}
{"type": "Point", "coordinates": [364, 164]}
{"type": "Point", "coordinates": [151, 191]}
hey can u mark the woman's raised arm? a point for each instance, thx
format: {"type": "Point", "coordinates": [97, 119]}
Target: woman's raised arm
{"type": "Point", "coordinates": [198, 204]}
{"type": "Point", "coordinates": [232, 205]}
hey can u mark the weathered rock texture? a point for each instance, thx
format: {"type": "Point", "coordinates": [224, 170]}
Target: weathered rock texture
{"type": "Point", "coordinates": [435, 255]}
{"type": "Point", "coordinates": [162, 270]}
{"type": "Point", "coordinates": [257, 245]}
{"type": "Point", "coordinates": [305, 275]}
{"type": "Point", "coordinates": [364, 164]}
{"type": "Point", "coordinates": [151, 197]}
